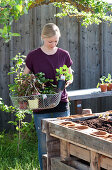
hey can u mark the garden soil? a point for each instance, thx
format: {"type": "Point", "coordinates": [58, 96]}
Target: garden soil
{"type": "Point", "coordinates": [98, 123]}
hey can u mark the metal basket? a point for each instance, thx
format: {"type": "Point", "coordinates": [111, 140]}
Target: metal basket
{"type": "Point", "coordinates": [43, 101]}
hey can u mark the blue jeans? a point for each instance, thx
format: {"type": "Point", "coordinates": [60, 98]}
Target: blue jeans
{"type": "Point", "coordinates": [42, 136]}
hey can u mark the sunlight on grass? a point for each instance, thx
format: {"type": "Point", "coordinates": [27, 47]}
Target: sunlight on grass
{"type": "Point", "coordinates": [25, 159]}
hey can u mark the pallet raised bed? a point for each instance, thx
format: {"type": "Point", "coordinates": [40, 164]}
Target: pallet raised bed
{"type": "Point", "coordinates": [71, 148]}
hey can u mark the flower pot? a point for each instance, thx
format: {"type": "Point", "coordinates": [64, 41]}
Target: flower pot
{"type": "Point", "coordinates": [109, 87]}
{"type": "Point", "coordinates": [103, 87]}
{"type": "Point", "coordinates": [82, 127]}
{"type": "Point", "coordinates": [33, 104]}
{"type": "Point", "coordinates": [61, 85]}
{"type": "Point", "coordinates": [100, 133]}
{"type": "Point", "coordinates": [23, 104]}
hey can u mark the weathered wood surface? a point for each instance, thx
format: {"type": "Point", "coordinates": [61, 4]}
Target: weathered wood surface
{"type": "Point", "coordinates": [72, 164]}
{"type": "Point", "coordinates": [90, 49]}
{"type": "Point", "coordinates": [84, 154]}
{"type": "Point", "coordinates": [79, 144]}
{"type": "Point", "coordinates": [87, 93]}
{"type": "Point", "coordinates": [56, 164]}
{"type": "Point", "coordinates": [78, 95]}
{"type": "Point", "coordinates": [82, 139]}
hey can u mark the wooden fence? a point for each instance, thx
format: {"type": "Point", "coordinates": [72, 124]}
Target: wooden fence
{"type": "Point", "coordinates": [90, 49]}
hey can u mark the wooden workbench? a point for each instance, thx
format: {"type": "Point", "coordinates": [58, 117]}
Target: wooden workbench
{"type": "Point", "coordinates": [71, 149]}
{"type": "Point", "coordinates": [78, 95]}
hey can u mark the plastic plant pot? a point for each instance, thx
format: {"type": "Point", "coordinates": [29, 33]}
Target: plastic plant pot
{"type": "Point", "coordinates": [61, 85]}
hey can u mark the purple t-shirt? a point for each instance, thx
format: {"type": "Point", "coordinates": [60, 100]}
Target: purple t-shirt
{"type": "Point", "coordinates": [37, 61]}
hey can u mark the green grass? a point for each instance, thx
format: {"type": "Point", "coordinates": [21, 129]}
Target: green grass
{"type": "Point", "coordinates": [24, 159]}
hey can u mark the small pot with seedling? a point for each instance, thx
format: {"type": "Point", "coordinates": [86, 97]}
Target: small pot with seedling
{"type": "Point", "coordinates": [109, 82]}
{"type": "Point", "coordinates": [62, 76]}
{"type": "Point", "coordinates": [102, 84]}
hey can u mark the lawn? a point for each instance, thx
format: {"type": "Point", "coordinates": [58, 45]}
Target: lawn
{"type": "Point", "coordinates": [24, 159]}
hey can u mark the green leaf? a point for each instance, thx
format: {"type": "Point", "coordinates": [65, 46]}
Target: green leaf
{"type": "Point", "coordinates": [14, 34]}
{"type": "Point", "coordinates": [19, 7]}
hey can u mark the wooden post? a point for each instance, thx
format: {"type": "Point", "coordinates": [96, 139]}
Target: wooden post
{"type": "Point", "coordinates": [44, 161]}
{"type": "Point", "coordinates": [53, 147]}
{"type": "Point", "coordinates": [64, 150]}
{"type": "Point", "coordinates": [78, 106]}
{"type": "Point", "coordinates": [95, 161]}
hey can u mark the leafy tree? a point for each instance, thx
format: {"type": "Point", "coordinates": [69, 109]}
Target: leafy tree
{"type": "Point", "coordinates": [87, 11]}
{"type": "Point", "coordinates": [11, 10]}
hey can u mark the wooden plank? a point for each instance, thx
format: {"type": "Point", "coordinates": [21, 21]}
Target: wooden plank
{"type": "Point", "coordinates": [80, 152]}
{"type": "Point", "coordinates": [79, 165]}
{"type": "Point", "coordinates": [89, 53]}
{"type": "Point", "coordinates": [95, 161]}
{"type": "Point", "coordinates": [85, 154]}
{"type": "Point", "coordinates": [56, 164]}
{"type": "Point", "coordinates": [72, 164]}
{"type": "Point", "coordinates": [106, 162]}
{"type": "Point", "coordinates": [87, 93]}
{"type": "Point", "coordinates": [64, 150]}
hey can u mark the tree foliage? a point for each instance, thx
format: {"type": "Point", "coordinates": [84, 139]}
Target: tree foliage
{"type": "Point", "coordinates": [11, 10]}
{"type": "Point", "coordinates": [87, 11]}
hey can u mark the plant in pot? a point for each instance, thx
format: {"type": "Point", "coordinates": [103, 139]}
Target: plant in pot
{"type": "Point", "coordinates": [109, 82]}
{"type": "Point", "coordinates": [102, 84]}
{"type": "Point", "coordinates": [62, 76]}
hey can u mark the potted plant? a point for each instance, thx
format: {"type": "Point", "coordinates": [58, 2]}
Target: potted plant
{"type": "Point", "coordinates": [109, 84]}
{"type": "Point", "coordinates": [102, 84]}
{"type": "Point", "coordinates": [62, 76]}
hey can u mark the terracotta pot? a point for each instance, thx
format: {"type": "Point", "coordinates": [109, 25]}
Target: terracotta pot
{"type": "Point", "coordinates": [109, 87]}
{"type": "Point", "coordinates": [23, 105]}
{"type": "Point", "coordinates": [100, 133]}
{"type": "Point", "coordinates": [109, 137]}
{"type": "Point", "coordinates": [66, 123]}
{"type": "Point", "coordinates": [82, 127]}
{"type": "Point", "coordinates": [103, 87]}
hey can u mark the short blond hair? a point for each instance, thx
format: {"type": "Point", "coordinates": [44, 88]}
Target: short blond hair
{"type": "Point", "coordinates": [50, 30]}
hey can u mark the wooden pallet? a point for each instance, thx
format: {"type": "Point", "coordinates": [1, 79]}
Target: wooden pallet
{"type": "Point", "coordinates": [82, 149]}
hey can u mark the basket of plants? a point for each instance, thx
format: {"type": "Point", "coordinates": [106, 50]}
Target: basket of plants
{"type": "Point", "coordinates": [31, 91]}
